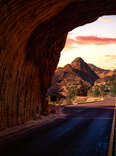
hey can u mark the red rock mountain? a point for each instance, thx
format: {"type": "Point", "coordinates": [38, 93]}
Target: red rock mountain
{"type": "Point", "coordinates": [102, 73]}
{"type": "Point", "coordinates": [77, 73]}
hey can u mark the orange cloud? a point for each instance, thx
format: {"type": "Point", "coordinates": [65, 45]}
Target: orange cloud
{"type": "Point", "coordinates": [87, 40]}
{"type": "Point", "coordinates": [95, 40]}
{"type": "Point", "coordinates": [112, 57]}
{"type": "Point", "coordinates": [111, 60]}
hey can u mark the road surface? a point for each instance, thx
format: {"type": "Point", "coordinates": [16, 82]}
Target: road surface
{"type": "Point", "coordinates": [85, 131]}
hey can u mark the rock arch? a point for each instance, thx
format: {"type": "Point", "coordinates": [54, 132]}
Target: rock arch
{"type": "Point", "coordinates": [32, 35]}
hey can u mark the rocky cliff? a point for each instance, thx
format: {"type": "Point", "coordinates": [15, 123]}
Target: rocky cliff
{"type": "Point", "coordinates": [32, 34]}
{"type": "Point", "coordinates": [102, 73]}
{"type": "Point", "coordinates": [77, 73]}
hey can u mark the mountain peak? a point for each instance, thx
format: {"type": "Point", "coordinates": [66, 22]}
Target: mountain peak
{"type": "Point", "coordinates": [78, 59]}
{"type": "Point", "coordinates": [79, 63]}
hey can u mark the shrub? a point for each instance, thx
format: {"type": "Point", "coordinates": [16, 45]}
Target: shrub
{"type": "Point", "coordinates": [74, 91]}
{"type": "Point", "coordinates": [97, 92]}
{"type": "Point", "coordinates": [113, 88]}
{"type": "Point", "coordinates": [94, 91]}
{"type": "Point", "coordinates": [68, 100]}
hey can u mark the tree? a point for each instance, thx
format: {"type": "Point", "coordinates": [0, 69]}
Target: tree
{"type": "Point", "coordinates": [97, 92]}
{"type": "Point", "coordinates": [94, 91]}
{"type": "Point", "coordinates": [74, 91]}
{"type": "Point", "coordinates": [113, 87]}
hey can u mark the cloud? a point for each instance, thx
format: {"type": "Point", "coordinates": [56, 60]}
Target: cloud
{"type": "Point", "coordinates": [71, 43]}
{"type": "Point", "coordinates": [105, 19]}
{"type": "Point", "coordinates": [111, 61]}
{"type": "Point", "coordinates": [112, 57]}
{"type": "Point", "coordinates": [87, 40]}
{"type": "Point", "coordinates": [95, 40]}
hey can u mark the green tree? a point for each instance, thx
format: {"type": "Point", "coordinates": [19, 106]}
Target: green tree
{"type": "Point", "coordinates": [74, 91]}
{"type": "Point", "coordinates": [94, 91]}
{"type": "Point", "coordinates": [113, 87]}
{"type": "Point", "coordinates": [97, 92]}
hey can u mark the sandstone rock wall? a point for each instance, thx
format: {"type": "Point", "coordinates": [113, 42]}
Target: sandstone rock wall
{"type": "Point", "coordinates": [32, 34]}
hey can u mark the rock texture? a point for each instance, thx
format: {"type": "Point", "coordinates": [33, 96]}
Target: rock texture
{"type": "Point", "coordinates": [78, 74]}
{"type": "Point", "coordinates": [84, 71]}
{"type": "Point", "coordinates": [32, 34]}
{"type": "Point", "coordinates": [102, 73]}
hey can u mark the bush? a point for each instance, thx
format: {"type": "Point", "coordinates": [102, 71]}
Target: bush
{"type": "Point", "coordinates": [113, 88]}
{"type": "Point", "coordinates": [97, 92]}
{"type": "Point", "coordinates": [94, 91]}
{"type": "Point", "coordinates": [74, 91]}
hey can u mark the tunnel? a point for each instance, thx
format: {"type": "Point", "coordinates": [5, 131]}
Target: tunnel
{"type": "Point", "coordinates": [32, 35]}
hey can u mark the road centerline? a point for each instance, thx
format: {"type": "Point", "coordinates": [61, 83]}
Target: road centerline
{"type": "Point", "coordinates": [110, 150]}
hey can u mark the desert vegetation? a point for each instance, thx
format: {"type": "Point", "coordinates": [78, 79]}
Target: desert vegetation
{"type": "Point", "coordinates": [106, 87]}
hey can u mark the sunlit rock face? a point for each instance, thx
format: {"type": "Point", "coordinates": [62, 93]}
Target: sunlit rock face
{"type": "Point", "coordinates": [32, 35]}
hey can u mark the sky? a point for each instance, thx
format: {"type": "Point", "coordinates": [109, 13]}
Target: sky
{"type": "Point", "coordinates": [94, 42]}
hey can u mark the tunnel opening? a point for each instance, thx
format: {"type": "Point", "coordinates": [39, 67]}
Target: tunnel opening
{"type": "Point", "coordinates": [86, 63]}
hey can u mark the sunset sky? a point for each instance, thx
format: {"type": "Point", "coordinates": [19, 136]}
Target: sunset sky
{"type": "Point", "coordinates": [94, 42]}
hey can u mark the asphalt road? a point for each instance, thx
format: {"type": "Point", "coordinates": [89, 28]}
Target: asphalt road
{"type": "Point", "coordinates": [84, 132]}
